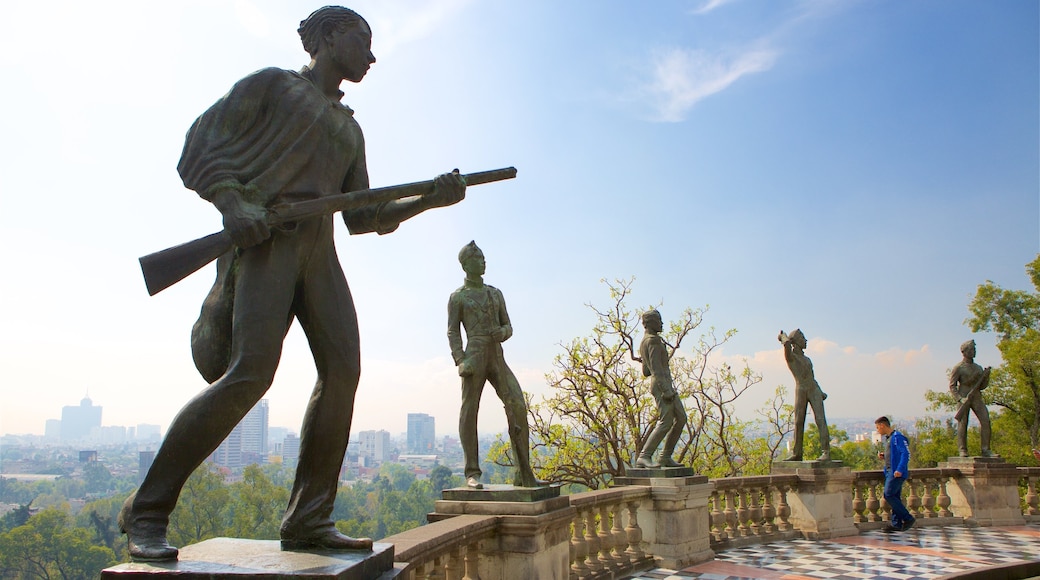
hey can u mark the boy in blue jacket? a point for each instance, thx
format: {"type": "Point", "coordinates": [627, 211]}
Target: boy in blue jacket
{"type": "Point", "coordinates": [896, 471]}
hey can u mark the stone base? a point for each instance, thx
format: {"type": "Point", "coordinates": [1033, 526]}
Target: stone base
{"type": "Point", "coordinates": [646, 472]}
{"type": "Point", "coordinates": [975, 462]}
{"type": "Point", "coordinates": [985, 492]}
{"type": "Point", "coordinates": [498, 492]}
{"type": "Point", "coordinates": [237, 559]}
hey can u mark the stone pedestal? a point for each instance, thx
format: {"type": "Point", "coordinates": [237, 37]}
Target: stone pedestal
{"type": "Point", "coordinates": [821, 504]}
{"type": "Point", "coordinates": [986, 491]}
{"type": "Point", "coordinates": [676, 528]}
{"type": "Point", "coordinates": [633, 473]}
{"type": "Point", "coordinates": [236, 559]}
{"type": "Point", "coordinates": [533, 539]}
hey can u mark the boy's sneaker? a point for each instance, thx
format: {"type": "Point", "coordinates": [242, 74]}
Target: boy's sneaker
{"type": "Point", "coordinates": [908, 524]}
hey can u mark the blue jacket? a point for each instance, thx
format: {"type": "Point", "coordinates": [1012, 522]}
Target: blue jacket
{"type": "Point", "coordinates": [899, 453]}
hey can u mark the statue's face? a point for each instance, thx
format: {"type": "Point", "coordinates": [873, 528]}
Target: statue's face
{"type": "Point", "coordinates": [799, 340]}
{"type": "Point", "coordinates": [474, 264]}
{"type": "Point", "coordinates": [654, 324]}
{"type": "Point", "coordinates": [351, 51]}
{"type": "Point", "coordinates": [969, 351]}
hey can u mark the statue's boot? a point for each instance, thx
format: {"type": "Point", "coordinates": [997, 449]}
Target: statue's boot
{"type": "Point", "coordinates": [796, 457]}
{"type": "Point", "coordinates": [667, 461]}
{"type": "Point", "coordinates": [989, 453]}
{"type": "Point", "coordinates": [474, 483]}
{"type": "Point", "coordinates": [145, 534]}
{"type": "Point", "coordinates": [826, 455]}
{"type": "Point", "coordinates": [325, 537]}
{"type": "Point", "coordinates": [645, 461]}
{"type": "Point", "coordinates": [963, 452]}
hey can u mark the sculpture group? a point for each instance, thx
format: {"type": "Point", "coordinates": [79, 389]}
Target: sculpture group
{"type": "Point", "coordinates": [279, 137]}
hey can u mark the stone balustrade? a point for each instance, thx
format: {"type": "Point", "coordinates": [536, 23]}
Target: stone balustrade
{"type": "Point", "coordinates": [614, 532]}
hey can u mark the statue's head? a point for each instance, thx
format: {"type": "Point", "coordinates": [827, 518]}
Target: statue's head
{"type": "Point", "coordinates": [325, 21]}
{"type": "Point", "coordinates": [798, 338]}
{"type": "Point", "coordinates": [652, 320]}
{"type": "Point", "coordinates": [968, 349]}
{"type": "Point", "coordinates": [472, 259]}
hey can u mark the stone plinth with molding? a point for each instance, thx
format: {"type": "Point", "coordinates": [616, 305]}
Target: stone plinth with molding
{"type": "Point", "coordinates": [533, 539]}
{"type": "Point", "coordinates": [238, 559]}
{"type": "Point", "coordinates": [676, 527]}
{"type": "Point", "coordinates": [821, 503]}
{"type": "Point", "coordinates": [985, 492]}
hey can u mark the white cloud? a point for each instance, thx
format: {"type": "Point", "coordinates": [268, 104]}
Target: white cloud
{"type": "Point", "coordinates": [398, 25]}
{"type": "Point", "coordinates": [710, 5]}
{"type": "Point", "coordinates": [681, 77]}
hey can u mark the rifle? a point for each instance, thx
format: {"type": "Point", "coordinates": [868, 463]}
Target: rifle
{"type": "Point", "coordinates": [962, 412]}
{"type": "Point", "coordinates": [167, 267]}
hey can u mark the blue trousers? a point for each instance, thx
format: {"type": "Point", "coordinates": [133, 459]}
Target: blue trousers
{"type": "Point", "coordinates": [893, 495]}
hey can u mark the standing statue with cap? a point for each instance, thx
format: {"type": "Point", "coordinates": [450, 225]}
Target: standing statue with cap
{"type": "Point", "coordinates": [671, 415]}
{"type": "Point", "coordinates": [481, 310]}
{"type": "Point", "coordinates": [806, 392]}
{"type": "Point", "coordinates": [967, 380]}
{"type": "Point", "coordinates": [277, 136]}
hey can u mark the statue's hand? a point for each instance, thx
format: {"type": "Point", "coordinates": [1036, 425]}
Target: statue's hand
{"type": "Point", "coordinates": [465, 368]}
{"type": "Point", "coordinates": [782, 337]}
{"type": "Point", "coordinates": [448, 189]}
{"type": "Point", "coordinates": [245, 222]}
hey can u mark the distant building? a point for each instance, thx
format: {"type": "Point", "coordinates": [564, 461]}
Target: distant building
{"type": "Point", "coordinates": [113, 435]}
{"type": "Point", "coordinates": [247, 442]}
{"type": "Point", "coordinates": [375, 446]}
{"type": "Point", "coordinates": [78, 422]}
{"type": "Point", "coordinates": [146, 432]}
{"type": "Point", "coordinates": [88, 456]}
{"type": "Point", "coordinates": [421, 438]}
{"type": "Point", "coordinates": [291, 450]}
{"type": "Point", "coordinates": [144, 462]}
{"type": "Point", "coordinates": [52, 430]}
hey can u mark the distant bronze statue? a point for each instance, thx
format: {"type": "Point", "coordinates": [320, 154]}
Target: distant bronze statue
{"type": "Point", "coordinates": [278, 136]}
{"type": "Point", "coordinates": [967, 380]}
{"type": "Point", "coordinates": [653, 351]}
{"type": "Point", "coordinates": [806, 392]}
{"type": "Point", "coordinates": [481, 310]}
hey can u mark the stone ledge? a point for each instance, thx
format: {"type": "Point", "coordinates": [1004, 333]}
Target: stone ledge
{"type": "Point", "coordinates": [238, 559]}
{"type": "Point", "coordinates": [501, 493]}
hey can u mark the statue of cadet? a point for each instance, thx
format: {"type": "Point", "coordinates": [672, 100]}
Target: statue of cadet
{"type": "Point", "coordinates": [807, 392]}
{"type": "Point", "coordinates": [481, 310]}
{"type": "Point", "coordinates": [275, 136]}
{"type": "Point", "coordinates": [653, 351]}
{"type": "Point", "coordinates": [967, 380]}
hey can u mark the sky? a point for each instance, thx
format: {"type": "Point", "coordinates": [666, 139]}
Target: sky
{"type": "Point", "coordinates": [851, 168]}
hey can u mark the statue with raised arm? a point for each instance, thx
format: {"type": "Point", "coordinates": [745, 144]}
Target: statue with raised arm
{"type": "Point", "coordinates": [671, 415]}
{"type": "Point", "coordinates": [967, 380]}
{"type": "Point", "coordinates": [276, 136]}
{"type": "Point", "coordinates": [481, 310]}
{"type": "Point", "coordinates": [806, 392]}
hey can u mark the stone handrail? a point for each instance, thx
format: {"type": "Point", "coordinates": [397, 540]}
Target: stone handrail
{"type": "Point", "coordinates": [1030, 477]}
{"type": "Point", "coordinates": [926, 497]}
{"type": "Point", "coordinates": [606, 539]}
{"type": "Point", "coordinates": [448, 549]}
{"type": "Point", "coordinates": [750, 510]}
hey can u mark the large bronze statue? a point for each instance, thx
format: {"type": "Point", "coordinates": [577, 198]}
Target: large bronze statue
{"type": "Point", "coordinates": [806, 392]}
{"type": "Point", "coordinates": [481, 310]}
{"type": "Point", "coordinates": [967, 380]}
{"type": "Point", "coordinates": [276, 137]}
{"type": "Point", "coordinates": [671, 415]}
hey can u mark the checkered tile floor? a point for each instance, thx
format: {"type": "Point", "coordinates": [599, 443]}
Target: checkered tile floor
{"type": "Point", "coordinates": [918, 553]}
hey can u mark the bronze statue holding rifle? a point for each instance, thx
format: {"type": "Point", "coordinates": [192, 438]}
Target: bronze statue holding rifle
{"type": "Point", "coordinates": [278, 138]}
{"type": "Point", "coordinates": [967, 380]}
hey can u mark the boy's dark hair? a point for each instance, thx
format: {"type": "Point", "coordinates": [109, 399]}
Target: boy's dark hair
{"type": "Point", "coordinates": [883, 419]}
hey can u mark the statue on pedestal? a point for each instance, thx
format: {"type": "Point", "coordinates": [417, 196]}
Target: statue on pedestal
{"type": "Point", "coordinates": [653, 351]}
{"type": "Point", "coordinates": [967, 380]}
{"type": "Point", "coordinates": [807, 392]}
{"type": "Point", "coordinates": [481, 310]}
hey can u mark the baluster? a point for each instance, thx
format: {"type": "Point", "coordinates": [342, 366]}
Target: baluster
{"type": "Point", "coordinates": [731, 515]}
{"type": "Point", "coordinates": [927, 498]}
{"type": "Point", "coordinates": [419, 572]}
{"type": "Point", "coordinates": [913, 501]}
{"type": "Point", "coordinates": [579, 549]}
{"type": "Point", "coordinates": [742, 512]}
{"type": "Point", "coordinates": [768, 512]}
{"type": "Point", "coordinates": [717, 523]}
{"type": "Point", "coordinates": [943, 499]}
{"type": "Point", "coordinates": [634, 534]}
{"type": "Point", "coordinates": [1032, 499]}
{"type": "Point", "coordinates": [454, 564]}
{"type": "Point", "coordinates": [873, 503]}
{"type": "Point", "coordinates": [606, 539]}
{"type": "Point", "coordinates": [755, 512]}
{"type": "Point", "coordinates": [618, 533]}
{"type": "Point", "coordinates": [783, 509]}
{"type": "Point", "coordinates": [858, 505]}
{"type": "Point", "coordinates": [592, 540]}
{"type": "Point", "coordinates": [472, 559]}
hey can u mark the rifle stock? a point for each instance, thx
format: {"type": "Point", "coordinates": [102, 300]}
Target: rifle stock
{"type": "Point", "coordinates": [167, 267]}
{"type": "Point", "coordinates": [962, 411]}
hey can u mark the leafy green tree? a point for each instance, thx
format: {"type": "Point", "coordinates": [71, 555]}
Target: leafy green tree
{"type": "Point", "coordinates": [601, 411]}
{"type": "Point", "coordinates": [49, 546]}
{"type": "Point", "coordinates": [201, 511]}
{"type": "Point", "coordinates": [256, 506]}
{"type": "Point", "coordinates": [97, 477]}
{"type": "Point", "coordinates": [100, 517]}
{"type": "Point", "coordinates": [935, 440]}
{"type": "Point", "coordinates": [441, 478]}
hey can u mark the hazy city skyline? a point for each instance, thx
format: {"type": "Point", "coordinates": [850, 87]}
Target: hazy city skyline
{"type": "Point", "coordinates": [851, 168]}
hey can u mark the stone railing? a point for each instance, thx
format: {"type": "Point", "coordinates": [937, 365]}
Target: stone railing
{"type": "Point", "coordinates": [925, 493]}
{"type": "Point", "coordinates": [606, 540]}
{"type": "Point", "coordinates": [750, 510]}
{"type": "Point", "coordinates": [448, 549]}
{"type": "Point", "coordinates": [1029, 479]}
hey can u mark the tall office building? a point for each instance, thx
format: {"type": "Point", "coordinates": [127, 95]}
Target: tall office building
{"type": "Point", "coordinates": [375, 445]}
{"type": "Point", "coordinates": [247, 443]}
{"type": "Point", "coordinates": [420, 433]}
{"type": "Point", "coordinates": [77, 423]}
{"type": "Point", "coordinates": [291, 450]}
